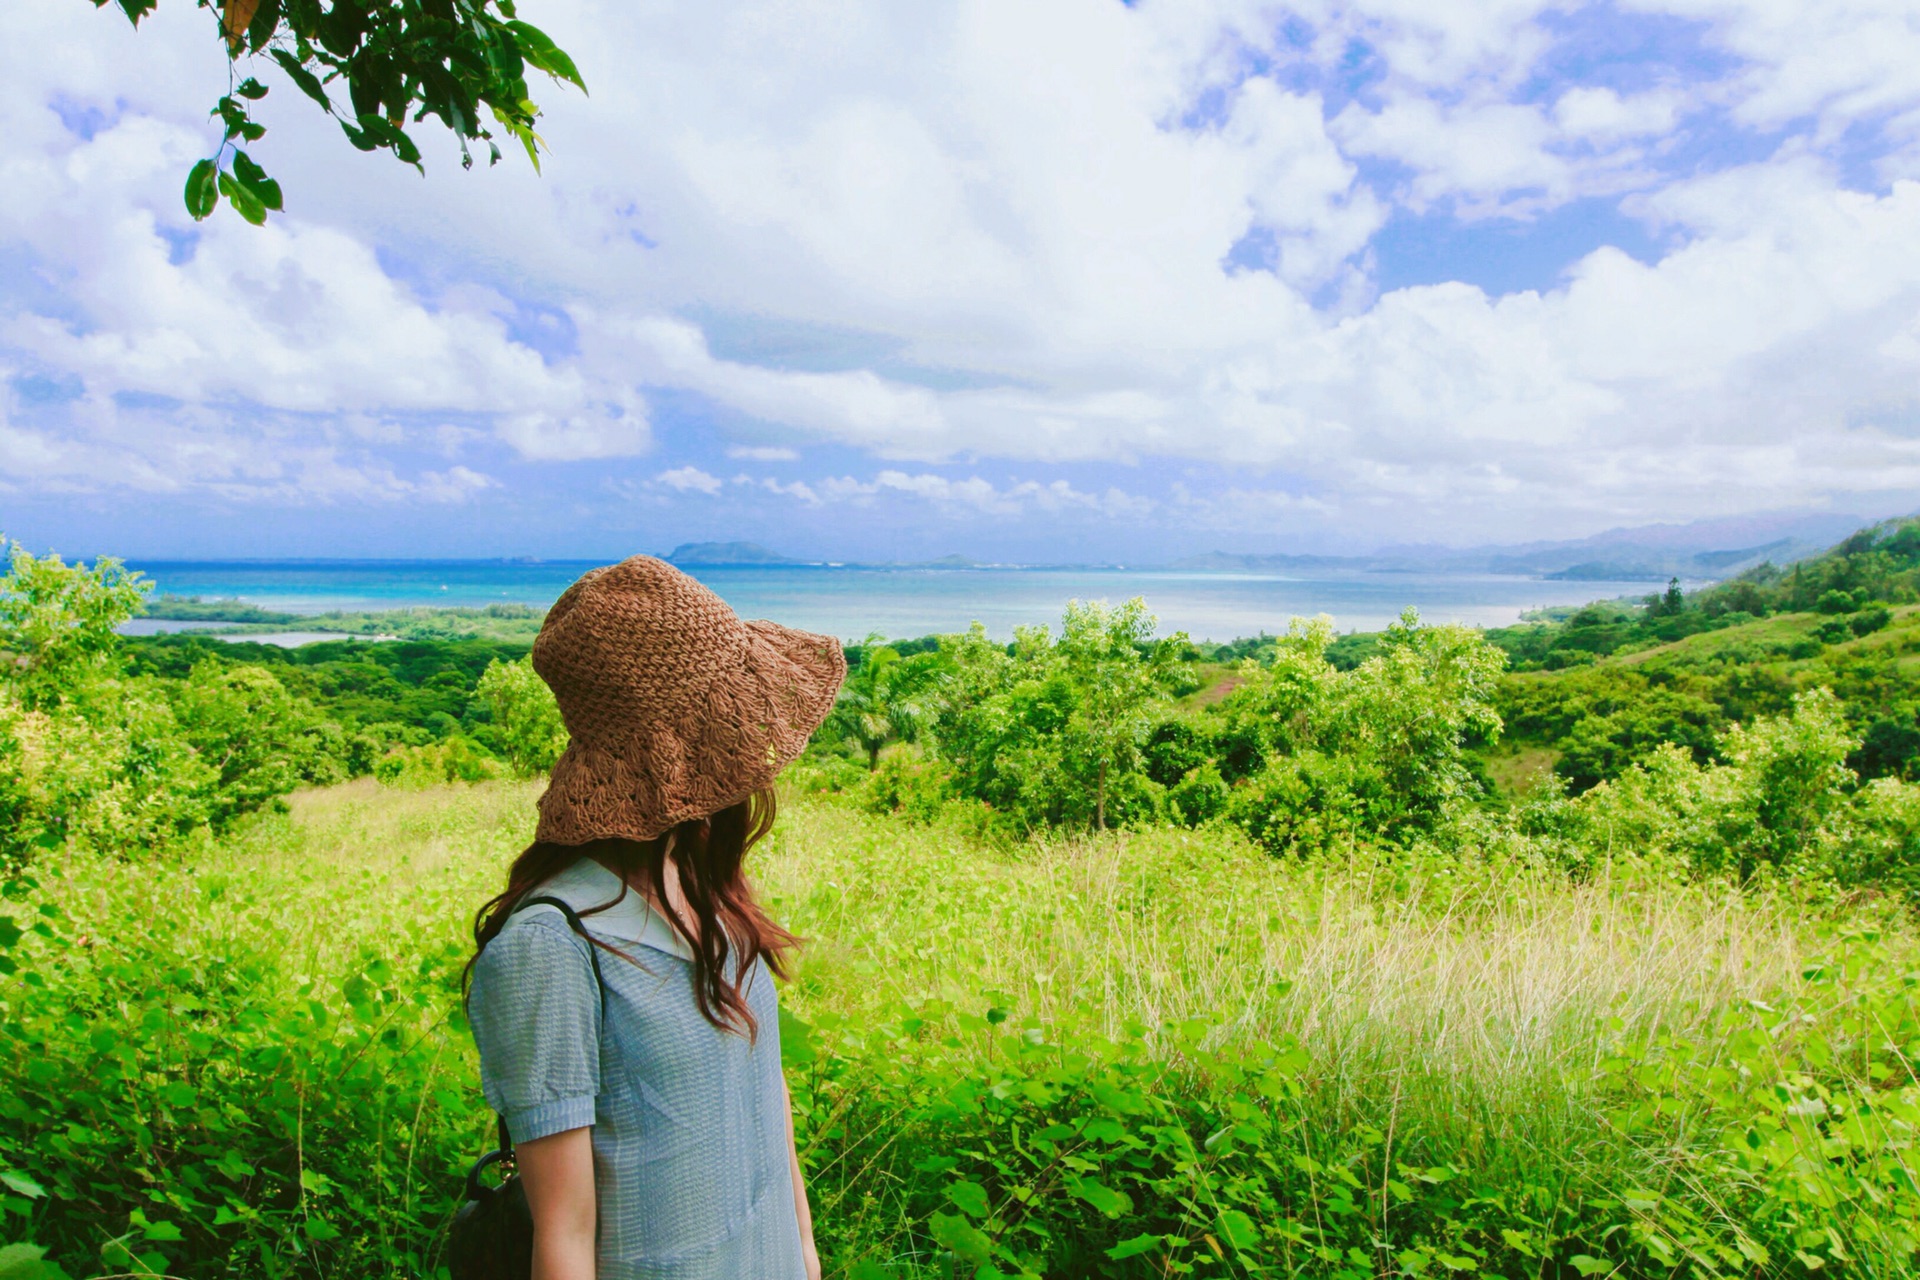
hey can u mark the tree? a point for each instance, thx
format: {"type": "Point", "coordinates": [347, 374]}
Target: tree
{"type": "Point", "coordinates": [430, 57]}
{"type": "Point", "coordinates": [1117, 673]}
{"type": "Point", "coordinates": [58, 621]}
{"type": "Point", "coordinates": [1379, 749]}
{"type": "Point", "coordinates": [1671, 604]}
{"type": "Point", "coordinates": [526, 718]}
{"type": "Point", "coordinates": [880, 699]}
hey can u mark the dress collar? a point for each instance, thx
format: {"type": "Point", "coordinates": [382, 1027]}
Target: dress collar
{"type": "Point", "coordinates": [585, 883]}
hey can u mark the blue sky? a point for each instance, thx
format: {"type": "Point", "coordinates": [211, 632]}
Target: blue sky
{"type": "Point", "coordinates": [1082, 281]}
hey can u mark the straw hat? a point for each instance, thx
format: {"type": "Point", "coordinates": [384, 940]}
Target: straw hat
{"type": "Point", "coordinates": [676, 707]}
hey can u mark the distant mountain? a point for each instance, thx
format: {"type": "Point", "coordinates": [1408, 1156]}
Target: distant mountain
{"type": "Point", "coordinates": [1653, 553]}
{"type": "Point", "coordinates": [1226, 562]}
{"type": "Point", "coordinates": [1657, 566]}
{"type": "Point", "coordinates": [721, 553]}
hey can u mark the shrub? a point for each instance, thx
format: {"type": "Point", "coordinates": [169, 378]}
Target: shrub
{"type": "Point", "coordinates": [1833, 631]}
{"type": "Point", "coordinates": [1173, 748]}
{"type": "Point", "coordinates": [1198, 797]}
{"type": "Point", "coordinates": [1868, 621]}
{"type": "Point", "coordinates": [526, 724]}
{"type": "Point", "coordinates": [58, 622]}
{"type": "Point", "coordinates": [1891, 748]}
{"type": "Point", "coordinates": [436, 763]}
{"type": "Point", "coordinates": [1834, 601]}
{"type": "Point", "coordinates": [1304, 804]}
{"type": "Point", "coordinates": [1879, 845]}
{"type": "Point", "coordinates": [913, 788]}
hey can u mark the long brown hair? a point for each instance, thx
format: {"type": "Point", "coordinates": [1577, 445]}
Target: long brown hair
{"type": "Point", "coordinates": [709, 854]}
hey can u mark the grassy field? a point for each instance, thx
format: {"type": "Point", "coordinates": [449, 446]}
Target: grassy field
{"type": "Point", "coordinates": [1128, 1055]}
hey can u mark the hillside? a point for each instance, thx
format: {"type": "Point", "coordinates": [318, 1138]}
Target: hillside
{"type": "Point", "coordinates": [725, 553]}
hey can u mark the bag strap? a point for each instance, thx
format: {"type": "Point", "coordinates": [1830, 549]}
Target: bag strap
{"type": "Point", "coordinates": [593, 956]}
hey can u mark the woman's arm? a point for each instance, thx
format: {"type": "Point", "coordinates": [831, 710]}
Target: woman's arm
{"type": "Point", "coordinates": [801, 1209]}
{"type": "Point", "coordinates": [557, 1172]}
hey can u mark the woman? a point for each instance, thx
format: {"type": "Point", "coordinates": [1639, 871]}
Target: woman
{"type": "Point", "coordinates": [651, 1122]}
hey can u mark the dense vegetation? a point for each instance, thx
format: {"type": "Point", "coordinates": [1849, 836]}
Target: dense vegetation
{"type": "Point", "coordinates": [1416, 953]}
{"type": "Point", "coordinates": [512, 623]}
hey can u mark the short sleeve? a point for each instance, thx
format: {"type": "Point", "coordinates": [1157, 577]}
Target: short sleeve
{"type": "Point", "coordinates": [535, 1010]}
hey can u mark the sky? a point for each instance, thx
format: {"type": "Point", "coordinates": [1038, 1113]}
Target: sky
{"type": "Point", "coordinates": [1061, 281]}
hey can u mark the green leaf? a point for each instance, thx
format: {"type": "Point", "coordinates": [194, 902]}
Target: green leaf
{"type": "Point", "coordinates": [255, 180]}
{"type": "Point", "coordinates": [23, 1262]}
{"type": "Point", "coordinates": [1099, 1195]}
{"type": "Point", "coordinates": [868, 1269]}
{"type": "Point", "coordinates": [967, 1241]}
{"type": "Point", "coordinates": [971, 1198]}
{"type": "Point", "coordinates": [539, 49]}
{"type": "Point", "coordinates": [252, 90]}
{"type": "Point", "coordinates": [1134, 1248]}
{"type": "Point", "coordinates": [1237, 1229]}
{"type": "Point", "coordinates": [245, 203]}
{"type": "Point", "coordinates": [1589, 1266]}
{"type": "Point", "coordinates": [266, 20]}
{"type": "Point", "coordinates": [203, 191]}
{"type": "Point", "coordinates": [164, 1232]}
{"type": "Point", "coordinates": [21, 1184]}
{"type": "Point", "coordinates": [303, 79]}
{"type": "Point", "coordinates": [233, 1166]}
{"type": "Point", "coordinates": [796, 1040]}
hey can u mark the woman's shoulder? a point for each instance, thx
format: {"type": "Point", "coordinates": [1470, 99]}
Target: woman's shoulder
{"type": "Point", "coordinates": [532, 940]}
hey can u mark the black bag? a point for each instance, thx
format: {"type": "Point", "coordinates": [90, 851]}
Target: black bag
{"type": "Point", "coordinates": [492, 1233]}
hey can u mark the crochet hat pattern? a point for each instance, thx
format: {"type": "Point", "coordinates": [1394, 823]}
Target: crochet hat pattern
{"type": "Point", "coordinates": [675, 706]}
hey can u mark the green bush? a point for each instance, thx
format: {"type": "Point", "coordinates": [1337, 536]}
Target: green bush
{"type": "Point", "coordinates": [1199, 796]}
{"type": "Point", "coordinates": [1868, 621]}
{"type": "Point", "coordinates": [913, 788]}
{"type": "Point", "coordinates": [1833, 631]}
{"type": "Point", "coordinates": [131, 764]}
{"type": "Point", "coordinates": [435, 764]}
{"type": "Point", "coordinates": [526, 725]}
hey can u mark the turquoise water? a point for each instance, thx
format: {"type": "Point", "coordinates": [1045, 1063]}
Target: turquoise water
{"type": "Point", "coordinates": [852, 602]}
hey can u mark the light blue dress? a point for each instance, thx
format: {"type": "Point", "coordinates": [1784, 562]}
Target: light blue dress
{"type": "Point", "coordinates": [690, 1149]}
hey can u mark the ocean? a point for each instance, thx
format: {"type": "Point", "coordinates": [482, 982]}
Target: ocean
{"type": "Point", "coordinates": [852, 602]}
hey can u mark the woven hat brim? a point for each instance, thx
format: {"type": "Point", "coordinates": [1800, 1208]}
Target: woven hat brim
{"type": "Point", "coordinates": [754, 722]}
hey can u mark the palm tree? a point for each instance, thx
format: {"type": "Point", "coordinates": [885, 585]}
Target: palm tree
{"type": "Point", "coordinates": [879, 701]}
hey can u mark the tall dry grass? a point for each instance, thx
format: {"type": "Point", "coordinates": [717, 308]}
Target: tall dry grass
{"type": "Point", "coordinates": [1490, 974]}
{"type": "Point", "coordinates": [1473, 1003]}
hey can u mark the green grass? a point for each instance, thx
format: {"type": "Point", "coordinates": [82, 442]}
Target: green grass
{"type": "Point", "coordinates": [1132, 1055]}
{"type": "Point", "coordinates": [1900, 635]}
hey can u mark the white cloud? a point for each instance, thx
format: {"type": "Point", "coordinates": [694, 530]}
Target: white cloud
{"type": "Point", "coordinates": [1482, 153]}
{"type": "Point", "coordinates": [798, 489]}
{"type": "Point", "coordinates": [1843, 60]}
{"type": "Point", "coordinates": [982, 496]}
{"type": "Point", "coordinates": [689, 480]}
{"type": "Point", "coordinates": [1020, 220]}
{"type": "Point", "coordinates": [1600, 114]}
{"type": "Point", "coordinates": [455, 484]}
